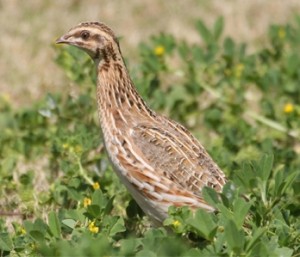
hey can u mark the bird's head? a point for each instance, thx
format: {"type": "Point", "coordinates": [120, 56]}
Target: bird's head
{"type": "Point", "coordinates": [95, 38]}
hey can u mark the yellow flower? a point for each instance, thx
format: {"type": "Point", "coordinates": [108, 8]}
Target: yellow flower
{"type": "Point", "coordinates": [96, 185]}
{"type": "Point", "coordinates": [87, 202]}
{"type": "Point", "coordinates": [23, 231]}
{"type": "Point", "coordinates": [65, 146]}
{"type": "Point", "coordinates": [288, 108]}
{"type": "Point", "coordinates": [33, 246]}
{"type": "Point", "coordinates": [239, 69]}
{"type": "Point", "coordinates": [78, 149]}
{"type": "Point", "coordinates": [176, 223]}
{"type": "Point", "coordinates": [281, 33]}
{"type": "Point", "coordinates": [94, 229]}
{"type": "Point", "coordinates": [159, 50]}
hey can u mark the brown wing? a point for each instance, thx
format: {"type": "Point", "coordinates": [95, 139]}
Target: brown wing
{"type": "Point", "coordinates": [170, 149]}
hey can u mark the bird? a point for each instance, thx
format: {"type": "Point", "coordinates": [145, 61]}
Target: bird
{"type": "Point", "coordinates": [158, 160]}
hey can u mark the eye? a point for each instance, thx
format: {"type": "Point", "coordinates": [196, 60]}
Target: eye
{"type": "Point", "coordinates": [85, 35]}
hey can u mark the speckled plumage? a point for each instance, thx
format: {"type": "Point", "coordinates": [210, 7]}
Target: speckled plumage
{"type": "Point", "coordinates": [157, 159]}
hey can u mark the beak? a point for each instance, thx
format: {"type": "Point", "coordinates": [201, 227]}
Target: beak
{"type": "Point", "coordinates": [62, 40]}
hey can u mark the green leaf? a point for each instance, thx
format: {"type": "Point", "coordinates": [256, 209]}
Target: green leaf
{"type": "Point", "coordinates": [279, 182]}
{"type": "Point", "coordinates": [193, 253]}
{"type": "Point", "coordinates": [204, 32]}
{"type": "Point", "coordinates": [54, 224]}
{"type": "Point", "coordinates": [229, 47]}
{"type": "Point", "coordinates": [37, 235]}
{"type": "Point", "coordinates": [234, 237]}
{"type": "Point", "coordinates": [284, 252]}
{"type": "Point", "coordinates": [6, 243]}
{"type": "Point", "coordinates": [203, 223]}
{"type": "Point", "coordinates": [147, 253]}
{"type": "Point", "coordinates": [258, 233]}
{"type": "Point", "coordinates": [263, 170]}
{"type": "Point", "coordinates": [28, 225]}
{"type": "Point", "coordinates": [240, 208]}
{"type": "Point", "coordinates": [129, 246]}
{"type": "Point", "coordinates": [109, 206]}
{"type": "Point", "coordinates": [73, 193]}
{"type": "Point", "coordinates": [210, 196]}
{"type": "Point", "coordinates": [220, 240]}
{"type": "Point", "coordinates": [40, 225]}
{"type": "Point", "coordinates": [289, 181]}
{"type": "Point", "coordinates": [229, 193]}
{"type": "Point", "coordinates": [245, 176]}
{"type": "Point", "coordinates": [99, 199]}
{"type": "Point", "coordinates": [218, 28]}
{"type": "Point", "coordinates": [69, 223]}
{"type": "Point", "coordinates": [118, 227]}
{"type": "Point", "coordinates": [225, 212]}
{"type": "Point", "coordinates": [94, 210]}
{"type": "Point", "coordinates": [76, 215]}
{"type": "Point", "coordinates": [266, 164]}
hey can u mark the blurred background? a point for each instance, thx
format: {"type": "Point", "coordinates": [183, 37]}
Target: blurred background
{"type": "Point", "coordinates": [29, 29]}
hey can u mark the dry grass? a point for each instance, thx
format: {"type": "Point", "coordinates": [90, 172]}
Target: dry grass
{"type": "Point", "coordinates": [29, 28]}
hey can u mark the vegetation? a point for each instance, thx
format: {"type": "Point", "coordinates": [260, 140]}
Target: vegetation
{"type": "Point", "coordinates": [63, 199]}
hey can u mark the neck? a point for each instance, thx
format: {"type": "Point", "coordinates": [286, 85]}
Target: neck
{"type": "Point", "coordinates": [116, 94]}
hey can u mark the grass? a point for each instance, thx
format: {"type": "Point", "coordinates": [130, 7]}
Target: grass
{"type": "Point", "coordinates": [60, 197]}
